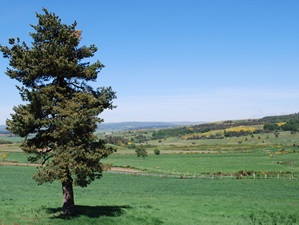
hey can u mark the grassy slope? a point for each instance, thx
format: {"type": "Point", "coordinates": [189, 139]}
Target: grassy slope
{"type": "Point", "coordinates": [126, 199]}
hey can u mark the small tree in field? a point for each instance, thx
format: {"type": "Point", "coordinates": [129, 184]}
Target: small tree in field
{"type": "Point", "coordinates": [61, 109]}
{"type": "Point", "coordinates": [140, 151]}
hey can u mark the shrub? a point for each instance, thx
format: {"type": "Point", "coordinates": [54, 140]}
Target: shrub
{"type": "Point", "coordinates": [157, 151]}
{"type": "Point", "coordinates": [4, 155]}
{"type": "Point", "coordinates": [140, 151]}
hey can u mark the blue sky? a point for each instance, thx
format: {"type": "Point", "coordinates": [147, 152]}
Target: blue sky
{"type": "Point", "coordinates": [175, 60]}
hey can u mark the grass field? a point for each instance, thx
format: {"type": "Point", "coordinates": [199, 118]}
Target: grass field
{"type": "Point", "coordinates": [127, 199]}
{"type": "Point", "coordinates": [269, 198]}
{"type": "Point", "coordinates": [210, 163]}
{"type": "Point", "coordinates": [204, 163]}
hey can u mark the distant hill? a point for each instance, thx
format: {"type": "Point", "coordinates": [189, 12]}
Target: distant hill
{"type": "Point", "coordinates": [3, 130]}
{"type": "Point", "coordinates": [281, 118]}
{"type": "Point", "coordinates": [133, 125]}
{"type": "Point", "coordinates": [195, 131]}
{"type": "Point", "coordinates": [121, 126]}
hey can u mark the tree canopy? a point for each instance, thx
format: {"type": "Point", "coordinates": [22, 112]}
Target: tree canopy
{"type": "Point", "coordinates": [60, 110]}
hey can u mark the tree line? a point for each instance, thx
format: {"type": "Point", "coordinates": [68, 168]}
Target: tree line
{"type": "Point", "coordinates": [270, 124]}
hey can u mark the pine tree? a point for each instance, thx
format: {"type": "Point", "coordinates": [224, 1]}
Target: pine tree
{"type": "Point", "coordinates": [61, 109]}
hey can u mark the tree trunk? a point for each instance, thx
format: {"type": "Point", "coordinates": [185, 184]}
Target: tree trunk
{"type": "Point", "coordinates": [68, 197]}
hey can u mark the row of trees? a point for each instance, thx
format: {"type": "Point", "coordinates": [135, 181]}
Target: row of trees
{"type": "Point", "coordinates": [278, 119]}
{"type": "Point", "coordinates": [177, 132]}
{"type": "Point", "coordinates": [291, 125]}
{"type": "Point", "coordinates": [240, 133]}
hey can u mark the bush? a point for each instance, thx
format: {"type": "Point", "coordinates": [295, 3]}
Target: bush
{"type": "Point", "coordinates": [157, 151]}
{"type": "Point", "coordinates": [140, 151]}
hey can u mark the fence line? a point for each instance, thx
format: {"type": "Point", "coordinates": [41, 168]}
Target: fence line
{"type": "Point", "coordinates": [210, 176]}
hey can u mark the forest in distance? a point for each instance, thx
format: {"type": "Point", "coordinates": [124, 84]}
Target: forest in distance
{"type": "Point", "coordinates": [201, 126]}
{"type": "Point", "coordinates": [132, 125]}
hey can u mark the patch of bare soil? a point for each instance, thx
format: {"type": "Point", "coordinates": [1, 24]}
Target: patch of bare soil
{"type": "Point", "coordinates": [125, 170]}
{"type": "Point", "coordinates": [115, 169]}
{"type": "Point", "coordinates": [17, 164]}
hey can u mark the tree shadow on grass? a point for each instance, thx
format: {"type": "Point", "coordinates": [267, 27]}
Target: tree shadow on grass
{"type": "Point", "coordinates": [89, 211]}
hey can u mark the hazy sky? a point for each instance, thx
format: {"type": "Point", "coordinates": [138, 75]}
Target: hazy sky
{"type": "Point", "coordinates": [178, 60]}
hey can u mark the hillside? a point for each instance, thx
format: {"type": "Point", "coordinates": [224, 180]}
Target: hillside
{"type": "Point", "coordinates": [216, 130]}
{"type": "Point", "coordinates": [190, 127]}
{"type": "Point", "coordinates": [3, 129]}
{"type": "Point", "coordinates": [123, 126]}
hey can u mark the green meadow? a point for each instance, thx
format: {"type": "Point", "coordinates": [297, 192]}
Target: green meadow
{"type": "Point", "coordinates": [210, 181]}
{"type": "Point", "coordinates": [130, 199]}
{"type": "Point", "coordinates": [183, 164]}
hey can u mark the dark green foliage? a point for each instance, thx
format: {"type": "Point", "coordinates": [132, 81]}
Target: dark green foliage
{"type": "Point", "coordinates": [291, 125]}
{"type": "Point", "coordinates": [140, 138]}
{"type": "Point", "coordinates": [140, 151]}
{"type": "Point", "coordinates": [61, 108]}
{"type": "Point", "coordinates": [277, 119]}
{"type": "Point", "coordinates": [240, 133]}
{"type": "Point", "coordinates": [157, 151]}
{"type": "Point", "coordinates": [172, 132]}
{"type": "Point", "coordinates": [116, 140]}
{"type": "Point", "coordinates": [131, 146]}
{"type": "Point", "coordinates": [271, 127]}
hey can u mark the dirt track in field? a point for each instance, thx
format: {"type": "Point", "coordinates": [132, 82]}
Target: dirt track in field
{"type": "Point", "coordinates": [17, 164]}
{"type": "Point", "coordinates": [125, 170]}
{"type": "Point", "coordinates": [116, 169]}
